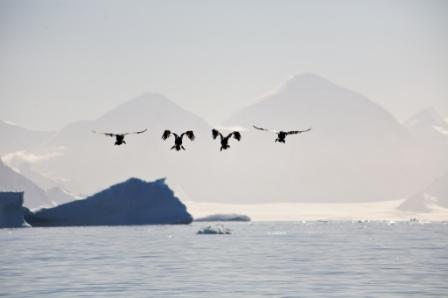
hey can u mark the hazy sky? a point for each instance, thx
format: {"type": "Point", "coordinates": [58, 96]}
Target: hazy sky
{"type": "Point", "coordinates": [69, 60]}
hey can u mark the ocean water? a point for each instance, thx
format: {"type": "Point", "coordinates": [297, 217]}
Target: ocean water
{"type": "Point", "coordinates": [259, 259]}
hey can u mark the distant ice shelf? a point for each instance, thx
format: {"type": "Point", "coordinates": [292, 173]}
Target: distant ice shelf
{"type": "Point", "coordinates": [224, 217]}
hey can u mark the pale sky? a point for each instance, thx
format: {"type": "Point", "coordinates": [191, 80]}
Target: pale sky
{"type": "Point", "coordinates": [70, 60]}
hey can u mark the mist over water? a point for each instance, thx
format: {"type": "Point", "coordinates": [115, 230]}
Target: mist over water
{"type": "Point", "coordinates": [288, 259]}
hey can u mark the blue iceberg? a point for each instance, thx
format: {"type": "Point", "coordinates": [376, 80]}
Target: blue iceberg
{"type": "Point", "coordinates": [133, 202]}
{"type": "Point", "coordinates": [11, 210]}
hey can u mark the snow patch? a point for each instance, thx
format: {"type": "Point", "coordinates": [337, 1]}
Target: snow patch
{"type": "Point", "coordinates": [441, 130]}
{"type": "Point", "coordinates": [30, 157]}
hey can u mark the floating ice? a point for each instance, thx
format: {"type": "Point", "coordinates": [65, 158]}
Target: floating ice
{"type": "Point", "coordinates": [214, 230]}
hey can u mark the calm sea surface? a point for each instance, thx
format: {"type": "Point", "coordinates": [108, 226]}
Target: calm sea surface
{"type": "Point", "coordinates": [288, 259]}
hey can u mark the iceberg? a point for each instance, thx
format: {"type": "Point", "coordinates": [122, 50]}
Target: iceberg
{"type": "Point", "coordinates": [11, 210]}
{"type": "Point", "coordinates": [214, 230]}
{"type": "Point", "coordinates": [133, 202]}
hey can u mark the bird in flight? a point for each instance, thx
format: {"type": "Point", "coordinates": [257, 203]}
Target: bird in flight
{"type": "Point", "coordinates": [178, 138]}
{"type": "Point", "coordinates": [119, 137]}
{"type": "Point", "coordinates": [281, 135]}
{"type": "Point", "coordinates": [225, 140]}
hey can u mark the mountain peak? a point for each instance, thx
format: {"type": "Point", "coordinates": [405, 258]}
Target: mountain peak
{"type": "Point", "coordinates": [134, 107]}
{"type": "Point", "coordinates": [307, 80]}
{"type": "Point", "coordinates": [148, 110]}
{"type": "Point", "coordinates": [146, 98]}
{"type": "Point", "coordinates": [132, 181]}
{"type": "Point", "coordinates": [145, 102]}
{"type": "Point", "coordinates": [427, 117]}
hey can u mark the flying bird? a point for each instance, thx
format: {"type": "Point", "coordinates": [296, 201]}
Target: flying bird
{"type": "Point", "coordinates": [178, 138]}
{"type": "Point", "coordinates": [225, 140]}
{"type": "Point", "coordinates": [281, 135]}
{"type": "Point", "coordinates": [119, 137]}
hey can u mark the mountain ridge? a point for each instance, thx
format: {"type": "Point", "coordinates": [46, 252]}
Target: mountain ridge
{"type": "Point", "coordinates": [355, 148]}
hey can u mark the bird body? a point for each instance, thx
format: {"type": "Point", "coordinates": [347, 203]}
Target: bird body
{"type": "Point", "coordinates": [281, 135]}
{"type": "Point", "coordinates": [178, 138]}
{"type": "Point", "coordinates": [119, 137]}
{"type": "Point", "coordinates": [119, 140]}
{"type": "Point", "coordinates": [225, 139]}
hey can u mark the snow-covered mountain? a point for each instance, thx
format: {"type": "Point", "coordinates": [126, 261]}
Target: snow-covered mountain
{"type": "Point", "coordinates": [92, 162]}
{"type": "Point", "coordinates": [432, 197]}
{"type": "Point", "coordinates": [10, 180]}
{"type": "Point", "coordinates": [59, 196]}
{"type": "Point", "coordinates": [429, 131]}
{"type": "Point", "coordinates": [14, 138]}
{"type": "Point", "coordinates": [149, 110]}
{"type": "Point", "coordinates": [356, 150]}
{"type": "Point", "coordinates": [334, 112]}
{"type": "Point", "coordinates": [429, 126]}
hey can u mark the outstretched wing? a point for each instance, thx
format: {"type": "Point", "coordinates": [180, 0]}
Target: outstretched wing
{"type": "Point", "coordinates": [260, 128]}
{"type": "Point", "coordinates": [236, 135]}
{"type": "Point", "coordinates": [216, 133]}
{"type": "Point", "coordinates": [293, 132]}
{"type": "Point", "coordinates": [189, 134]}
{"type": "Point", "coordinates": [108, 134]}
{"type": "Point", "coordinates": [135, 132]}
{"type": "Point", "coordinates": [166, 134]}
{"type": "Point", "coordinates": [265, 129]}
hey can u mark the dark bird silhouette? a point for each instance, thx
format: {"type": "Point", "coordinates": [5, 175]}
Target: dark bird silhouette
{"type": "Point", "coordinates": [119, 137]}
{"type": "Point", "coordinates": [281, 135]}
{"type": "Point", "coordinates": [225, 140]}
{"type": "Point", "coordinates": [178, 139]}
